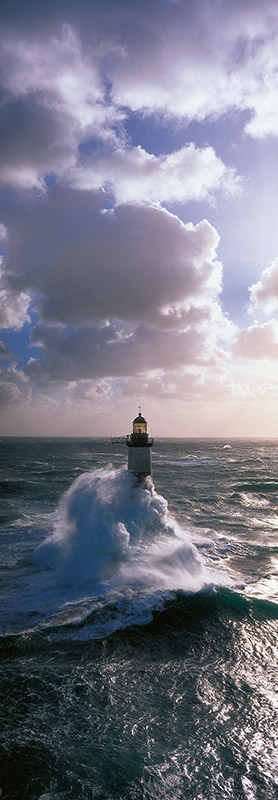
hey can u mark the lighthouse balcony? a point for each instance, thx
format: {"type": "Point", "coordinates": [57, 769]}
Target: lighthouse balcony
{"type": "Point", "coordinates": [139, 440]}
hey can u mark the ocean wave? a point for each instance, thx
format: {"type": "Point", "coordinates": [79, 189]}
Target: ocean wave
{"type": "Point", "coordinates": [188, 462]}
{"type": "Point", "coordinates": [108, 523]}
{"type": "Point", "coordinates": [247, 500]}
{"type": "Point", "coordinates": [163, 612]}
{"type": "Point", "coordinates": [258, 488]}
{"type": "Point", "coordinates": [13, 486]}
{"type": "Point", "coordinates": [114, 553]}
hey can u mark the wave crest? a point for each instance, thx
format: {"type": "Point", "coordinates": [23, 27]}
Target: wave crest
{"type": "Point", "coordinates": [109, 525]}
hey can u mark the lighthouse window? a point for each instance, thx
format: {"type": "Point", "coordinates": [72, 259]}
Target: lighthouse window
{"type": "Point", "coordinates": [140, 427]}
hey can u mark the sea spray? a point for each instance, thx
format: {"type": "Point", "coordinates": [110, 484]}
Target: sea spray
{"type": "Point", "coordinates": [107, 524]}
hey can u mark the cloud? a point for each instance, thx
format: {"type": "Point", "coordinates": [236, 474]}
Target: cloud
{"type": "Point", "coordinates": [137, 263]}
{"type": "Point", "coordinates": [212, 385]}
{"type": "Point", "coordinates": [14, 386]}
{"type": "Point", "coordinates": [98, 352]}
{"type": "Point", "coordinates": [264, 293]}
{"type": "Point", "coordinates": [53, 96]}
{"type": "Point", "coordinates": [3, 233]}
{"type": "Point", "coordinates": [54, 100]}
{"type": "Point", "coordinates": [9, 392]}
{"type": "Point", "coordinates": [34, 140]}
{"type": "Point", "coordinates": [72, 78]}
{"type": "Point", "coordinates": [121, 292]}
{"type": "Point", "coordinates": [134, 175]}
{"type": "Point", "coordinates": [125, 292]}
{"type": "Point", "coordinates": [196, 60]}
{"type": "Point", "coordinates": [14, 304]}
{"type": "Point", "coordinates": [5, 352]}
{"type": "Point", "coordinates": [86, 391]}
{"type": "Point", "coordinates": [258, 341]}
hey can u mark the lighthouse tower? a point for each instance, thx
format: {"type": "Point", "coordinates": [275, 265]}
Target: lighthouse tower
{"type": "Point", "coordinates": [139, 448]}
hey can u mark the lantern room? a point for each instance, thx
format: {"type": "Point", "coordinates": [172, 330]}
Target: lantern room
{"type": "Point", "coordinates": [139, 424]}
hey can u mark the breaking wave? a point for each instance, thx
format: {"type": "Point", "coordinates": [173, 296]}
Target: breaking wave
{"type": "Point", "coordinates": [113, 557]}
{"type": "Point", "coordinates": [109, 526]}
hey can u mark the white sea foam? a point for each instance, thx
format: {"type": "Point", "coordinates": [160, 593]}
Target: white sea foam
{"type": "Point", "coordinates": [114, 556]}
{"type": "Point", "coordinates": [251, 500]}
{"type": "Point", "coordinates": [109, 527]}
{"type": "Point", "coordinates": [200, 461]}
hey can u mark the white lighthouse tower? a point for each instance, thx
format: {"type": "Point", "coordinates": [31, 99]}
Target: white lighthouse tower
{"type": "Point", "coordinates": [139, 448]}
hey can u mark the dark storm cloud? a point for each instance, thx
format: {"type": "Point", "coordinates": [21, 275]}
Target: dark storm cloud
{"type": "Point", "coordinates": [135, 263]}
{"type": "Point", "coordinates": [102, 352]}
{"type": "Point", "coordinates": [33, 141]}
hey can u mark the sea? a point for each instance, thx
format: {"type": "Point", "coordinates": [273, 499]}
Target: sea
{"type": "Point", "coordinates": [139, 621]}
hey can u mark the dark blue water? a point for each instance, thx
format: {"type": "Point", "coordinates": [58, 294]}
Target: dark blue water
{"type": "Point", "coordinates": [139, 641]}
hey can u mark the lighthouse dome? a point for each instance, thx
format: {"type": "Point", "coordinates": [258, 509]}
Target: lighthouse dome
{"type": "Point", "coordinates": [140, 419]}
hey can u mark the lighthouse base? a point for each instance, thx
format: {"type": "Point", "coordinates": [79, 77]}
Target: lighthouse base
{"type": "Point", "coordinates": [140, 461]}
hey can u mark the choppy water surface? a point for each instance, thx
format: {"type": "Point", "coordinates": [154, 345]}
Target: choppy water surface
{"type": "Point", "coordinates": [139, 623]}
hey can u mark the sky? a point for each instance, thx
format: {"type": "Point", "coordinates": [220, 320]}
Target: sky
{"type": "Point", "coordinates": [139, 217]}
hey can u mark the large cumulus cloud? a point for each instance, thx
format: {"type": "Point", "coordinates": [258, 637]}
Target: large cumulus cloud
{"type": "Point", "coordinates": [120, 292]}
{"type": "Point", "coordinates": [135, 175]}
{"type": "Point", "coordinates": [133, 263]}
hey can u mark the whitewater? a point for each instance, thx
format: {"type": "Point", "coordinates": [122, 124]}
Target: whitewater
{"type": "Point", "coordinates": [111, 559]}
{"type": "Point", "coordinates": [139, 621]}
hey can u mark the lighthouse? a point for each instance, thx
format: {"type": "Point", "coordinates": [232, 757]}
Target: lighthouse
{"type": "Point", "coordinates": [139, 448]}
